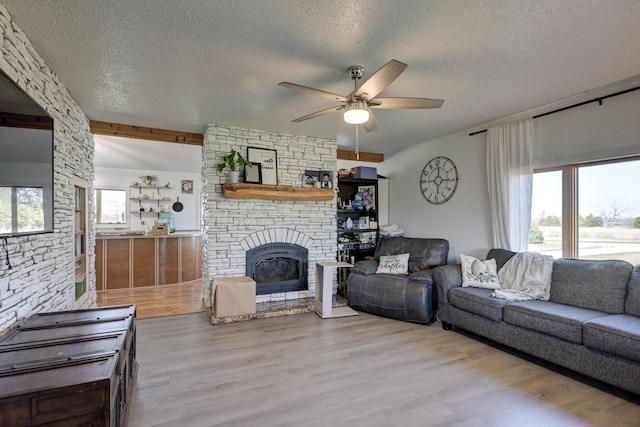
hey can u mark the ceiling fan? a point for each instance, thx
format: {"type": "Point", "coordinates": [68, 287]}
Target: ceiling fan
{"type": "Point", "coordinates": [361, 100]}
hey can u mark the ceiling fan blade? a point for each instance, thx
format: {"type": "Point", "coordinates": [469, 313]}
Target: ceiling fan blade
{"type": "Point", "coordinates": [312, 91]}
{"type": "Point", "coordinates": [318, 114]}
{"type": "Point", "coordinates": [371, 124]}
{"type": "Point", "coordinates": [380, 79]}
{"type": "Point", "coordinates": [406, 103]}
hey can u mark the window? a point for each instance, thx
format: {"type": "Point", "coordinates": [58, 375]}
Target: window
{"type": "Point", "coordinates": [598, 208]}
{"type": "Point", "coordinates": [21, 209]}
{"type": "Point", "coordinates": [546, 214]}
{"type": "Point", "coordinates": [111, 206]}
{"type": "Point", "coordinates": [609, 211]}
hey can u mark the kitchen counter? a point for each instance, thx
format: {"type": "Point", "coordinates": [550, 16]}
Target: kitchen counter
{"type": "Point", "coordinates": [127, 259]}
{"type": "Point", "coordinates": [141, 234]}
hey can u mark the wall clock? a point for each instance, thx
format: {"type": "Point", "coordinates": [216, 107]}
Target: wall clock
{"type": "Point", "coordinates": [439, 180]}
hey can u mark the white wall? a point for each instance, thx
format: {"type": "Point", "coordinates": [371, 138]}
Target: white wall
{"type": "Point", "coordinates": [588, 132]}
{"type": "Point", "coordinates": [465, 214]}
{"type": "Point", "coordinates": [42, 274]}
{"type": "Point", "coordinates": [120, 179]}
{"type": "Point", "coordinates": [464, 220]}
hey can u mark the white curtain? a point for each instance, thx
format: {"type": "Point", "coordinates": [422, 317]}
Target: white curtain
{"type": "Point", "coordinates": [510, 179]}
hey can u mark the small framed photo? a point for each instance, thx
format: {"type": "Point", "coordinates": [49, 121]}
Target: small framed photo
{"type": "Point", "coordinates": [326, 179]}
{"type": "Point", "coordinates": [253, 175]}
{"type": "Point", "coordinates": [309, 178]}
{"type": "Point", "coordinates": [187, 186]}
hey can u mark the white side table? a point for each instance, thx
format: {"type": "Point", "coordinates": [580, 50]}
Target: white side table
{"type": "Point", "coordinates": [324, 288]}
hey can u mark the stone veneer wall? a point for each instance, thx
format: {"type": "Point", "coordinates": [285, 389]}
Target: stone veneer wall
{"type": "Point", "coordinates": [42, 278]}
{"type": "Point", "coordinates": [230, 227]}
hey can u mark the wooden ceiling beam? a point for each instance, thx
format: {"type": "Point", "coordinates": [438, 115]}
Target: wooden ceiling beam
{"type": "Point", "coordinates": [363, 156]}
{"type": "Point", "coordinates": [139, 132]}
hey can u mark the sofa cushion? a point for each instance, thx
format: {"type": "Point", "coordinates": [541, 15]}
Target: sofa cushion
{"type": "Point", "coordinates": [423, 253]}
{"type": "Point", "coordinates": [596, 285]}
{"type": "Point", "coordinates": [479, 274]}
{"type": "Point", "coordinates": [501, 256]}
{"type": "Point", "coordinates": [367, 266]}
{"type": "Point", "coordinates": [632, 303]}
{"type": "Point", "coordinates": [551, 318]}
{"type": "Point", "coordinates": [478, 301]}
{"type": "Point", "coordinates": [394, 264]}
{"type": "Point", "coordinates": [618, 334]}
{"type": "Point", "coordinates": [423, 276]}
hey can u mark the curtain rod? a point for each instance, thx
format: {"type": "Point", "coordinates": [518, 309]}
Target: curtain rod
{"type": "Point", "coordinates": [598, 100]}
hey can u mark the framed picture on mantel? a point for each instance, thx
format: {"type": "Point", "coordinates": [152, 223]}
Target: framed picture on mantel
{"type": "Point", "coordinates": [253, 175]}
{"type": "Point", "coordinates": [268, 160]}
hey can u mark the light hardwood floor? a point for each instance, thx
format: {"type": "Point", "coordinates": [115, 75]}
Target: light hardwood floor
{"type": "Point", "coordinates": [158, 301]}
{"type": "Point", "coordinates": [355, 371]}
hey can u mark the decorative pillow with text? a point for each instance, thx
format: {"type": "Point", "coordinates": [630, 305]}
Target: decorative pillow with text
{"type": "Point", "coordinates": [479, 274]}
{"type": "Point", "coordinates": [394, 264]}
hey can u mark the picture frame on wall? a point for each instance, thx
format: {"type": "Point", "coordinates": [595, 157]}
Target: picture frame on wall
{"type": "Point", "coordinates": [326, 179]}
{"type": "Point", "coordinates": [309, 178]}
{"type": "Point", "coordinates": [268, 160]}
{"type": "Point", "coordinates": [187, 186]}
{"type": "Point", "coordinates": [253, 175]}
{"type": "Point", "coordinates": [317, 179]}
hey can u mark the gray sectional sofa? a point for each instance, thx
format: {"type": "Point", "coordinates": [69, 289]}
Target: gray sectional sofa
{"type": "Point", "coordinates": [407, 297]}
{"type": "Point", "coordinates": [590, 324]}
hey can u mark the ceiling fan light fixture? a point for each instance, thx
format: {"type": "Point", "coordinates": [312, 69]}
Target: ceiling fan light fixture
{"type": "Point", "coordinates": [356, 113]}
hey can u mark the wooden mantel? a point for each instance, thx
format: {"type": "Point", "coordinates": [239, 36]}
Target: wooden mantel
{"type": "Point", "coordinates": [233, 190]}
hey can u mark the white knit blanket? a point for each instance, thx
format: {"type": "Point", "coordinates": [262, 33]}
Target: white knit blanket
{"type": "Point", "coordinates": [526, 276]}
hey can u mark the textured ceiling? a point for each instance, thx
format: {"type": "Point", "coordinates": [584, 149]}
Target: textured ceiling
{"type": "Point", "coordinates": [181, 64]}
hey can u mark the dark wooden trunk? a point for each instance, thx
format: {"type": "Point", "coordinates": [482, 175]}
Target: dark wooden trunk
{"type": "Point", "coordinates": [74, 368]}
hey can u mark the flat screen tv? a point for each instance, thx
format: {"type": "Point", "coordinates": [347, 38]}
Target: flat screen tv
{"type": "Point", "coordinates": [26, 163]}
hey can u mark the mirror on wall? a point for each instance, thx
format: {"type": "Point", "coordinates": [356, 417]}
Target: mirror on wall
{"type": "Point", "coordinates": [26, 163]}
{"type": "Point", "coordinates": [111, 207]}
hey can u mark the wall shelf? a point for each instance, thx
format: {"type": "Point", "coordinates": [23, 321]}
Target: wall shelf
{"type": "Point", "coordinates": [233, 190]}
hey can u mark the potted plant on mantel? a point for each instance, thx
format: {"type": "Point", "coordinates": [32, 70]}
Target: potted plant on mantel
{"type": "Point", "coordinates": [235, 163]}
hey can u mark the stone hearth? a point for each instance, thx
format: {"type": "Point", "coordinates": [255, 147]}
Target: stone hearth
{"type": "Point", "coordinates": [265, 310]}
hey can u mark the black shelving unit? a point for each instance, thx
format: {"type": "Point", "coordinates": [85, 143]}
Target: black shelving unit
{"type": "Point", "coordinates": [357, 237]}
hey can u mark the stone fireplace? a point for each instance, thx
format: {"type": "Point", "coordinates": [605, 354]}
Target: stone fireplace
{"type": "Point", "coordinates": [235, 227]}
{"type": "Point", "coordinates": [278, 267]}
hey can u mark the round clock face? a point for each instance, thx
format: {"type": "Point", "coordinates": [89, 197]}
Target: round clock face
{"type": "Point", "coordinates": [439, 180]}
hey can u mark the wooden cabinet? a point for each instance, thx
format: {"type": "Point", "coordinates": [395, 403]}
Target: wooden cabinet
{"type": "Point", "coordinates": [117, 266]}
{"type": "Point", "coordinates": [168, 260]}
{"type": "Point", "coordinates": [72, 368]}
{"type": "Point", "coordinates": [140, 261]}
{"type": "Point", "coordinates": [191, 258]}
{"type": "Point", "coordinates": [144, 262]}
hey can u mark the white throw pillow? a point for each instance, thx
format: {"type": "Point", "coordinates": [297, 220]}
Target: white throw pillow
{"type": "Point", "coordinates": [394, 264]}
{"type": "Point", "coordinates": [479, 274]}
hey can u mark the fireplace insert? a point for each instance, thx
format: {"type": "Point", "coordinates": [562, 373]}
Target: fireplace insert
{"type": "Point", "coordinates": [278, 267]}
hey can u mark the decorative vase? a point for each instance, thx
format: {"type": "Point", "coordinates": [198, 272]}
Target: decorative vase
{"type": "Point", "coordinates": [233, 176]}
